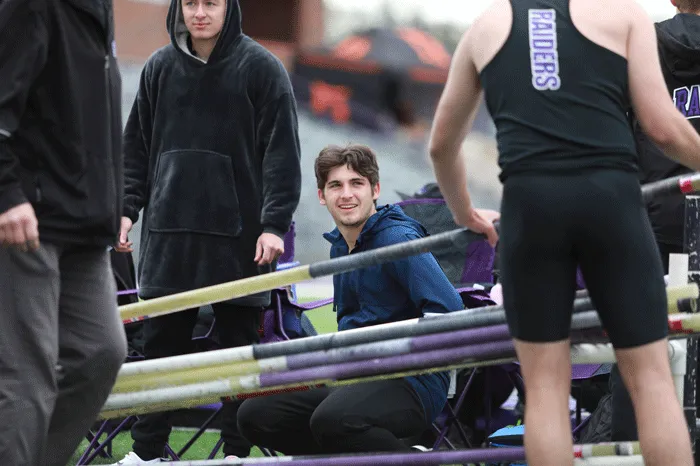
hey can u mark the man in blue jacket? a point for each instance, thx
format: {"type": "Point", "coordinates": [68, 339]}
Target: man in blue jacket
{"type": "Point", "coordinates": [372, 416]}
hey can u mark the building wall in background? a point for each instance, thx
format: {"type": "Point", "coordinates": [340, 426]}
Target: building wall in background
{"type": "Point", "coordinates": [140, 28]}
{"type": "Point", "coordinates": [280, 25]}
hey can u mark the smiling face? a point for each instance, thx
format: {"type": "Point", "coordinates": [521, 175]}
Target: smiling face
{"type": "Point", "coordinates": [204, 18]}
{"type": "Point", "coordinates": [349, 197]}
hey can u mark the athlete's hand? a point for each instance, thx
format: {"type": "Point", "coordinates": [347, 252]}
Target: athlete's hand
{"type": "Point", "coordinates": [490, 215]}
{"type": "Point", "coordinates": [481, 221]}
{"type": "Point", "coordinates": [268, 248]}
{"type": "Point", "coordinates": [124, 245]}
{"type": "Point", "coordinates": [19, 228]}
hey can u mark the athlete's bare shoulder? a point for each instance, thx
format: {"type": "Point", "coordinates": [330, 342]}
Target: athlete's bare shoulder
{"type": "Point", "coordinates": [489, 32]}
{"type": "Point", "coordinates": [607, 23]}
{"type": "Point", "coordinates": [492, 12]}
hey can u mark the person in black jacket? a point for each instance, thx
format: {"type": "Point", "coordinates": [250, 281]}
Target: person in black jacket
{"type": "Point", "coordinates": [212, 156]}
{"type": "Point", "coordinates": [61, 339]}
{"type": "Point", "coordinates": [678, 42]}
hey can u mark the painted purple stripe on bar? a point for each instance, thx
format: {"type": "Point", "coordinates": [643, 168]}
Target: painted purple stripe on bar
{"type": "Point", "coordinates": [484, 455]}
{"type": "Point", "coordinates": [389, 365]}
{"type": "Point", "coordinates": [349, 354]}
{"type": "Point", "coordinates": [460, 337]}
{"type": "Point", "coordinates": [398, 346]}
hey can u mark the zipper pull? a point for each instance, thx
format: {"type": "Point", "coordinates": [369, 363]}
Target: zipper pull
{"type": "Point", "coordinates": [106, 62]}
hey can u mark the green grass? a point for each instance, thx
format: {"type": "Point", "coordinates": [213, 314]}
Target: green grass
{"type": "Point", "coordinates": [198, 451]}
{"type": "Point", "coordinates": [324, 321]}
{"type": "Point", "coordinates": [323, 318]}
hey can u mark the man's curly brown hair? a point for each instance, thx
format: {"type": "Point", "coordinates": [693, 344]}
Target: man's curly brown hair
{"type": "Point", "coordinates": [688, 6]}
{"type": "Point", "coordinates": [360, 158]}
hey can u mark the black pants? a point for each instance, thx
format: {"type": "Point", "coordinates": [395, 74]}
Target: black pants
{"type": "Point", "coordinates": [594, 219]}
{"type": "Point", "coordinates": [624, 424]}
{"type": "Point", "coordinates": [171, 335]}
{"type": "Point", "coordinates": [369, 417]}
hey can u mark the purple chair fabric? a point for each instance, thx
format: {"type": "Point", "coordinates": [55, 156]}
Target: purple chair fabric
{"type": "Point", "coordinates": [478, 263]}
{"type": "Point", "coordinates": [289, 238]}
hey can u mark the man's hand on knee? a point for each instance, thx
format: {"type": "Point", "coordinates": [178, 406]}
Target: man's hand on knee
{"type": "Point", "coordinates": [19, 228]}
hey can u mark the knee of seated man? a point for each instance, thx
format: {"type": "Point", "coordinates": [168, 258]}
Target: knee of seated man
{"type": "Point", "coordinates": [328, 425]}
{"type": "Point", "coordinates": [254, 418]}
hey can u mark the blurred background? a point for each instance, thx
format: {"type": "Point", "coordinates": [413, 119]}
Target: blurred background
{"type": "Point", "coordinates": [364, 71]}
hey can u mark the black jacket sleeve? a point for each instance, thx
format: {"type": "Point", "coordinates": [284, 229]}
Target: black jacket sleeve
{"type": "Point", "coordinates": [24, 42]}
{"type": "Point", "coordinates": [137, 136]}
{"type": "Point", "coordinates": [278, 132]}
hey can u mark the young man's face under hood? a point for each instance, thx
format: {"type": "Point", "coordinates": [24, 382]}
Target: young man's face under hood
{"type": "Point", "coordinates": [204, 18]}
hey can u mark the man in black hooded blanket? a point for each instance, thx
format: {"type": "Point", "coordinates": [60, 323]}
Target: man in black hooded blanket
{"type": "Point", "coordinates": [212, 156]}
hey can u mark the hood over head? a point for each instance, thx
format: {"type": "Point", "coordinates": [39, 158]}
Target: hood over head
{"type": "Point", "coordinates": [230, 32]}
{"type": "Point", "coordinates": [679, 42]}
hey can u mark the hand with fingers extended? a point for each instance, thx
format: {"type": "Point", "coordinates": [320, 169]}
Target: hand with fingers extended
{"type": "Point", "coordinates": [124, 245]}
{"type": "Point", "coordinates": [268, 248]}
{"type": "Point", "coordinates": [481, 221]}
{"type": "Point", "coordinates": [19, 228]}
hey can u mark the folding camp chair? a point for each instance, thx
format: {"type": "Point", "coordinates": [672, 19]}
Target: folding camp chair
{"type": "Point", "coordinates": [581, 374]}
{"type": "Point", "coordinates": [114, 427]}
{"type": "Point", "coordinates": [125, 280]}
{"type": "Point", "coordinates": [282, 320]}
{"type": "Point", "coordinates": [497, 382]}
{"type": "Point", "coordinates": [463, 266]}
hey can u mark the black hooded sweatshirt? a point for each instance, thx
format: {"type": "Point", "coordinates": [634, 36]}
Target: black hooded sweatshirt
{"type": "Point", "coordinates": [679, 52]}
{"type": "Point", "coordinates": [212, 156]}
{"type": "Point", "coordinates": [60, 118]}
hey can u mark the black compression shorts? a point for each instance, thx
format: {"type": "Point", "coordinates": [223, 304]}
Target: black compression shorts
{"type": "Point", "coordinates": [552, 223]}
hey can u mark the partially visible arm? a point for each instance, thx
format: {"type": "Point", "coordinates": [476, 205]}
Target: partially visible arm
{"type": "Point", "coordinates": [23, 52]}
{"type": "Point", "coordinates": [278, 137]}
{"type": "Point", "coordinates": [659, 118]}
{"type": "Point", "coordinates": [426, 283]}
{"type": "Point", "coordinates": [453, 120]}
{"type": "Point", "coordinates": [136, 147]}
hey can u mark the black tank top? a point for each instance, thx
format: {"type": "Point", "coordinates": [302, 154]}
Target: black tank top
{"type": "Point", "coordinates": [558, 100]}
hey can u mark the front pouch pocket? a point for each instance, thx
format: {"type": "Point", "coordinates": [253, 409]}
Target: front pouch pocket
{"type": "Point", "coordinates": [194, 191]}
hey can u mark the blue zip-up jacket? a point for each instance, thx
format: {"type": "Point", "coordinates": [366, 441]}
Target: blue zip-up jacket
{"type": "Point", "coordinates": [399, 290]}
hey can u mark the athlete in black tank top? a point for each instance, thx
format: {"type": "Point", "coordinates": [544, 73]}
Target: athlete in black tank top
{"type": "Point", "coordinates": [571, 199]}
{"type": "Point", "coordinates": [553, 110]}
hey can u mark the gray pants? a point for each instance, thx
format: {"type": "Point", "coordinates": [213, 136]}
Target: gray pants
{"type": "Point", "coordinates": [61, 346]}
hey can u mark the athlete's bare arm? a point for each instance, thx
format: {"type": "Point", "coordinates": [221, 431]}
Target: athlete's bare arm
{"type": "Point", "coordinates": [458, 104]}
{"type": "Point", "coordinates": [660, 119]}
{"type": "Point", "coordinates": [462, 94]}
{"type": "Point", "coordinates": [453, 120]}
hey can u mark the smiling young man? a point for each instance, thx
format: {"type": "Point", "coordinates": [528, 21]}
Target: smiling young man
{"type": "Point", "coordinates": [372, 416]}
{"type": "Point", "coordinates": [212, 157]}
